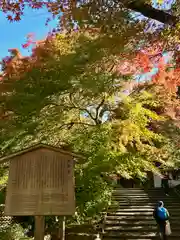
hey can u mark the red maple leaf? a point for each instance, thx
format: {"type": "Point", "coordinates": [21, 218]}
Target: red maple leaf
{"type": "Point", "coordinates": [30, 40]}
{"type": "Point", "coordinates": [17, 18]}
{"type": "Point", "coordinates": [10, 18]}
{"type": "Point", "coordinates": [26, 45]}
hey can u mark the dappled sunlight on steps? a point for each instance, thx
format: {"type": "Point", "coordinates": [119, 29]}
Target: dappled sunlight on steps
{"type": "Point", "coordinates": [130, 215]}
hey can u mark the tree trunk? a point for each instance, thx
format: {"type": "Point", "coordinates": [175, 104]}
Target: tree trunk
{"type": "Point", "coordinates": [148, 11]}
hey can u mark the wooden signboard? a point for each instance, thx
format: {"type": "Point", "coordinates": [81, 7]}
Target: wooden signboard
{"type": "Point", "coordinates": [41, 182]}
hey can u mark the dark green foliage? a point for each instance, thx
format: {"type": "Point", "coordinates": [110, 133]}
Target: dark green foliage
{"type": "Point", "coordinates": [70, 96]}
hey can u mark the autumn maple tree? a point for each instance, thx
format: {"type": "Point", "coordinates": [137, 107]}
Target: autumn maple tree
{"type": "Point", "coordinates": [110, 17]}
{"type": "Point", "coordinates": [69, 81]}
{"type": "Point", "coordinates": [70, 7]}
{"type": "Point", "coordinates": [78, 90]}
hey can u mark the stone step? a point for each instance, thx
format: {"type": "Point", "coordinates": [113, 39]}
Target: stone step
{"type": "Point", "coordinates": [130, 215]}
{"type": "Point", "coordinates": [144, 204]}
{"type": "Point", "coordinates": [136, 217]}
{"type": "Point", "coordinates": [139, 194]}
{"type": "Point", "coordinates": [139, 204]}
{"type": "Point", "coordinates": [131, 222]}
{"type": "Point", "coordinates": [134, 193]}
{"type": "Point", "coordinates": [146, 228]}
{"type": "Point", "coordinates": [135, 235]}
{"type": "Point", "coordinates": [129, 194]}
{"type": "Point", "coordinates": [148, 200]}
{"type": "Point", "coordinates": [111, 221]}
{"type": "Point", "coordinates": [137, 214]}
{"type": "Point", "coordinates": [131, 229]}
{"type": "Point", "coordinates": [171, 210]}
{"type": "Point", "coordinates": [129, 191]}
{"type": "Point", "coordinates": [138, 190]}
{"type": "Point", "coordinates": [142, 208]}
{"type": "Point", "coordinates": [131, 234]}
{"type": "Point", "coordinates": [141, 191]}
{"type": "Point", "coordinates": [145, 200]}
{"type": "Point", "coordinates": [149, 195]}
{"type": "Point", "coordinates": [130, 206]}
{"type": "Point", "coordinates": [126, 199]}
{"type": "Point", "coordinates": [137, 238]}
{"type": "Point", "coordinates": [121, 188]}
{"type": "Point", "coordinates": [144, 196]}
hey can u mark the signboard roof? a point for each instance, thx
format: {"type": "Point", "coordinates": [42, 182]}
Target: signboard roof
{"type": "Point", "coordinates": [38, 146]}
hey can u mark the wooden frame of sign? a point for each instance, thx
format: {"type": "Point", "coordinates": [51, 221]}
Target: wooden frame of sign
{"type": "Point", "coordinates": [41, 182]}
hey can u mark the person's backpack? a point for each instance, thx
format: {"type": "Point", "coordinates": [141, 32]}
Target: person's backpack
{"type": "Point", "coordinates": [162, 213]}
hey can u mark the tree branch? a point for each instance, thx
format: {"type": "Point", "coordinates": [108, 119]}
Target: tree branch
{"type": "Point", "coordinates": [81, 109]}
{"type": "Point", "coordinates": [97, 110]}
{"type": "Point", "coordinates": [148, 11]}
{"type": "Point", "coordinates": [71, 124]}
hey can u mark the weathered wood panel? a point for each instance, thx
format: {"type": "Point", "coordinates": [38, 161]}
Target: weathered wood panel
{"type": "Point", "coordinates": [41, 182]}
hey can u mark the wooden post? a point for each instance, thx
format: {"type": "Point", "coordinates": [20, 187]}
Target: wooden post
{"type": "Point", "coordinates": [39, 228]}
{"type": "Point", "coordinates": [62, 226]}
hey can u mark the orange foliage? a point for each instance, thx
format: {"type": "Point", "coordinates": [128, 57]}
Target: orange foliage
{"type": "Point", "coordinates": [168, 77]}
{"type": "Point", "coordinates": [140, 62]}
{"type": "Point", "coordinates": [14, 10]}
{"type": "Point", "coordinates": [144, 61]}
{"type": "Point", "coordinates": [16, 65]}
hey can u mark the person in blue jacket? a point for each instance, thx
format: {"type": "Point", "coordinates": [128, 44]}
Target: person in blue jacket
{"type": "Point", "coordinates": [161, 216]}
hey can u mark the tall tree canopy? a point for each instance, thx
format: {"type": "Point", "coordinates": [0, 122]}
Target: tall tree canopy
{"type": "Point", "coordinates": [74, 83]}
{"type": "Point", "coordinates": [70, 93]}
{"type": "Point", "coordinates": [145, 20]}
{"type": "Point", "coordinates": [78, 90]}
{"type": "Point", "coordinates": [145, 7]}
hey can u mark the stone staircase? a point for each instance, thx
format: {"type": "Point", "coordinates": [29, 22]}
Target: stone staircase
{"type": "Point", "coordinates": [130, 215]}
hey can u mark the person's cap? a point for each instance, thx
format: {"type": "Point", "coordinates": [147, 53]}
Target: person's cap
{"type": "Point", "coordinates": [160, 203]}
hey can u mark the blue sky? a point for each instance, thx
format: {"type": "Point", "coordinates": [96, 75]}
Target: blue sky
{"type": "Point", "coordinates": [13, 35]}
